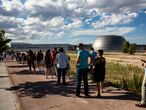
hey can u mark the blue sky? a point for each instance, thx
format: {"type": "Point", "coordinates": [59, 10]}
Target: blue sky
{"type": "Point", "coordinates": [72, 21]}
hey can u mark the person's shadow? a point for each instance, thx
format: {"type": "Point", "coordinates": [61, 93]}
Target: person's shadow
{"type": "Point", "coordinates": [43, 88]}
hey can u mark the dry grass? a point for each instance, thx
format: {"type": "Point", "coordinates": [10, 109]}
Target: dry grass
{"type": "Point", "coordinates": [114, 58]}
{"type": "Point", "coordinates": [125, 58]}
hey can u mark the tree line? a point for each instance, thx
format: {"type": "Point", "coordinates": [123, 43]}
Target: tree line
{"type": "Point", "coordinates": [129, 47]}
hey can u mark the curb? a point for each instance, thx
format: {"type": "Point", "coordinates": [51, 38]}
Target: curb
{"type": "Point", "coordinates": [14, 94]}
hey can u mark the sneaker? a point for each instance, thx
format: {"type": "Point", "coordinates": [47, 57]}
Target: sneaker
{"type": "Point", "coordinates": [87, 96]}
{"type": "Point", "coordinates": [77, 95]}
{"type": "Point", "coordinates": [64, 84]}
{"type": "Point", "coordinates": [98, 95]}
{"type": "Point", "coordinates": [140, 105]}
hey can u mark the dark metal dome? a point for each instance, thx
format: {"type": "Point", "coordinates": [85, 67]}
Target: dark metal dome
{"type": "Point", "coordinates": [109, 43]}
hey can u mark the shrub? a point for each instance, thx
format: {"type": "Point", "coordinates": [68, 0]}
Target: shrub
{"type": "Point", "coordinates": [128, 77]}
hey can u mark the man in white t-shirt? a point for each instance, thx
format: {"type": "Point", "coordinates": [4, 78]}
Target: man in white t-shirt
{"type": "Point", "coordinates": [61, 62]}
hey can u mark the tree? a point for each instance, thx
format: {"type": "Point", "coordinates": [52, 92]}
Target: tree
{"type": "Point", "coordinates": [3, 41]}
{"type": "Point", "coordinates": [125, 47]}
{"type": "Point", "coordinates": [132, 49]}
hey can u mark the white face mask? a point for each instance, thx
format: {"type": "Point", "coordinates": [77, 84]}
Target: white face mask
{"type": "Point", "coordinates": [77, 49]}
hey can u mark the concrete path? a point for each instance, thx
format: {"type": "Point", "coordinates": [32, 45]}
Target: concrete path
{"type": "Point", "coordinates": [8, 99]}
{"type": "Point", "coordinates": [37, 93]}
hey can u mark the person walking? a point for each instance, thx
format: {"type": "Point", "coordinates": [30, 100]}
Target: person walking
{"type": "Point", "coordinates": [99, 72]}
{"type": "Point", "coordinates": [61, 62]}
{"type": "Point", "coordinates": [48, 64]}
{"type": "Point", "coordinates": [39, 58]}
{"type": "Point", "coordinates": [143, 87]}
{"type": "Point", "coordinates": [68, 65]}
{"type": "Point", "coordinates": [30, 60]}
{"type": "Point", "coordinates": [54, 52]}
{"type": "Point", "coordinates": [82, 69]}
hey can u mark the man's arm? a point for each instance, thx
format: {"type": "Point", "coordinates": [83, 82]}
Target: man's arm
{"type": "Point", "coordinates": [91, 60]}
{"type": "Point", "coordinates": [144, 61]}
{"type": "Point", "coordinates": [78, 61]}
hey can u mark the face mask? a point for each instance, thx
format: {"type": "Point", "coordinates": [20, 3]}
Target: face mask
{"type": "Point", "coordinates": [77, 49]}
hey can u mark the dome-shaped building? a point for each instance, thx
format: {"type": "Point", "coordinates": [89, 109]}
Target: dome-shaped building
{"type": "Point", "coordinates": [109, 43]}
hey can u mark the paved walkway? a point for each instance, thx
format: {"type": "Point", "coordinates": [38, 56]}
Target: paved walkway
{"type": "Point", "coordinates": [37, 93]}
{"type": "Point", "coordinates": [8, 99]}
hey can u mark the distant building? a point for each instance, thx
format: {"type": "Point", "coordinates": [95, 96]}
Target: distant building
{"type": "Point", "coordinates": [111, 43]}
{"type": "Point", "coordinates": [22, 47]}
{"type": "Point", "coordinates": [141, 48]}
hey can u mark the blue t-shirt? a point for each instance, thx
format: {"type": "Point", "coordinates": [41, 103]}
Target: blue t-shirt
{"type": "Point", "coordinates": [83, 55]}
{"type": "Point", "coordinates": [93, 54]}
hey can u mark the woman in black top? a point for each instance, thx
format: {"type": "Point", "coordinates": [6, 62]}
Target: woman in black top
{"type": "Point", "coordinates": [39, 58]}
{"type": "Point", "coordinates": [99, 71]}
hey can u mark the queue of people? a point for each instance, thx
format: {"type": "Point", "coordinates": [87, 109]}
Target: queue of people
{"type": "Point", "coordinates": [56, 62]}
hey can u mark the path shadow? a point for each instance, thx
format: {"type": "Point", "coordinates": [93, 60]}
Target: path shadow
{"type": "Point", "coordinates": [23, 72]}
{"type": "Point", "coordinates": [43, 88]}
{"type": "Point", "coordinates": [17, 66]}
{"type": "Point", "coordinates": [112, 93]}
{"type": "Point", "coordinates": [4, 76]}
{"type": "Point", "coordinates": [124, 96]}
{"type": "Point", "coordinates": [27, 72]}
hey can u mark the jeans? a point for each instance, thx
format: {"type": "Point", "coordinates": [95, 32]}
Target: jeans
{"type": "Point", "coordinates": [82, 74]}
{"type": "Point", "coordinates": [61, 72]}
{"type": "Point", "coordinates": [31, 64]}
{"type": "Point", "coordinates": [143, 89]}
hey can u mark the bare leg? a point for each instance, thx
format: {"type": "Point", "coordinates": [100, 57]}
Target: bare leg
{"type": "Point", "coordinates": [50, 72]}
{"type": "Point", "coordinates": [55, 69]}
{"type": "Point", "coordinates": [102, 83]}
{"type": "Point", "coordinates": [46, 73]}
{"type": "Point", "coordinates": [99, 89]}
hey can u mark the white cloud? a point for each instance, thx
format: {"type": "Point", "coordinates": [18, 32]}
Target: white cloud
{"type": "Point", "coordinates": [11, 8]}
{"type": "Point", "coordinates": [72, 6]}
{"type": "Point", "coordinates": [116, 6]}
{"type": "Point", "coordinates": [106, 31]}
{"type": "Point", "coordinates": [42, 19]}
{"type": "Point", "coordinates": [59, 35]}
{"type": "Point", "coordinates": [32, 21]}
{"type": "Point", "coordinates": [115, 19]}
{"type": "Point", "coordinates": [56, 22]}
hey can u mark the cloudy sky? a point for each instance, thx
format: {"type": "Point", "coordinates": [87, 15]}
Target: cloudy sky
{"type": "Point", "coordinates": [72, 21]}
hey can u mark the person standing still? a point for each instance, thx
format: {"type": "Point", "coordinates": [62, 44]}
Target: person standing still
{"type": "Point", "coordinates": [99, 72]}
{"type": "Point", "coordinates": [48, 64]}
{"type": "Point", "coordinates": [82, 69]}
{"type": "Point", "coordinates": [93, 56]}
{"type": "Point", "coordinates": [61, 62]}
{"type": "Point", "coordinates": [143, 87]}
